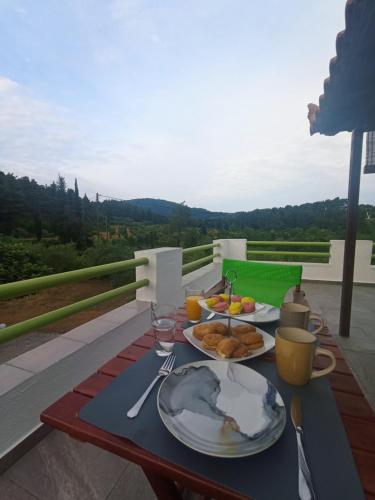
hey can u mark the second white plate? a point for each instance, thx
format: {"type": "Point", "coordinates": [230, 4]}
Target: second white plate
{"type": "Point", "coordinates": [269, 342]}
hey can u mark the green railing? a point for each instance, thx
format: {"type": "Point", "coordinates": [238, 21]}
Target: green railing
{"type": "Point", "coordinates": [289, 255]}
{"type": "Point", "coordinates": [19, 288]}
{"type": "Point", "coordinates": [201, 249]}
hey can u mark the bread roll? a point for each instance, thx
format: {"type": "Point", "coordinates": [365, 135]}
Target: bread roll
{"type": "Point", "coordinates": [226, 347]}
{"type": "Point", "coordinates": [242, 329]}
{"type": "Point", "coordinates": [211, 340]}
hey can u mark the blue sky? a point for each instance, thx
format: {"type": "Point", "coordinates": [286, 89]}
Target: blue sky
{"type": "Point", "coordinates": [202, 101]}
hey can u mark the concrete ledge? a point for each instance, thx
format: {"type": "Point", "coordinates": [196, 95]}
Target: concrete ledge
{"type": "Point", "coordinates": [34, 380]}
{"type": "Point", "coordinates": [205, 277]}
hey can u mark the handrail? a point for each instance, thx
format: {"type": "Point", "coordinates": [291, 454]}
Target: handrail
{"type": "Point", "coordinates": [291, 254]}
{"type": "Point", "coordinates": [290, 243]}
{"type": "Point", "coordinates": [10, 332]}
{"type": "Point", "coordinates": [187, 251]}
{"type": "Point", "coordinates": [17, 288]}
{"type": "Point", "coordinates": [197, 263]}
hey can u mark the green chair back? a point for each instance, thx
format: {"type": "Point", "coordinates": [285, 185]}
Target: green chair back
{"type": "Point", "coordinates": [265, 282]}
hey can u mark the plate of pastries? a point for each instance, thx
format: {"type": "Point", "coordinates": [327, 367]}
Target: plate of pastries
{"type": "Point", "coordinates": [242, 341]}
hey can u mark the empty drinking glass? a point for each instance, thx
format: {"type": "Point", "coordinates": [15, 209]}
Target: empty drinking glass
{"type": "Point", "coordinates": [163, 318]}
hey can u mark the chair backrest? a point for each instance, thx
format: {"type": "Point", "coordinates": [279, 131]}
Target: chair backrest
{"type": "Point", "coordinates": [264, 282]}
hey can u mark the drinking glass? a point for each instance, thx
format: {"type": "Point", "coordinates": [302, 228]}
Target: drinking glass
{"type": "Point", "coordinates": [193, 309]}
{"type": "Point", "coordinates": [163, 319]}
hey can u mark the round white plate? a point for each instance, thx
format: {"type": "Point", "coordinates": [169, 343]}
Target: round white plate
{"type": "Point", "coordinates": [269, 342]}
{"type": "Point", "coordinates": [264, 313]}
{"type": "Point", "coordinates": [221, 409]}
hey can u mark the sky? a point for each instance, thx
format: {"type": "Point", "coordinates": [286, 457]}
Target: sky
{"type": "Point", "coordinates": [202, 101]}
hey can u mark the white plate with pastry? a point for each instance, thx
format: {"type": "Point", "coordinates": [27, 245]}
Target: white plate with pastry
{"type": "Point", "coordinates": [245, 341]}
{"type": "Point", "coordinates": [263, 313]}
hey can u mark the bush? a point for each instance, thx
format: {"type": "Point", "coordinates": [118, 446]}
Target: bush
{"type": "Point", "coordinates": [58, 257]}
{"type": "Point", "coordinates": [18, 262]}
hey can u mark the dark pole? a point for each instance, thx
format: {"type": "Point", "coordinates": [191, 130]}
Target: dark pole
{"type": "Point", "coordinates": [351, 232]}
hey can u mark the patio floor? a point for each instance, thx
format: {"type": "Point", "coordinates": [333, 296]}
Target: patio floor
{"type": "Point", "coordinates": [61, 468]}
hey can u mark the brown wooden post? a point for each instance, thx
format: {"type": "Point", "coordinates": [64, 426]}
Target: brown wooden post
{"type": "Point", "coordinates": [351, 232]}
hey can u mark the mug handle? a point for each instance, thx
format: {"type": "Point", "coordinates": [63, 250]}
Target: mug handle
{"type": "Point", "coordinates": [319, 319]}
{"type": "Point", "coordinates": [320, 373]}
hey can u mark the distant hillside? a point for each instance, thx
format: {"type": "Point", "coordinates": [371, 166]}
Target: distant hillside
{"type": "Point", "coordinates": [165, 208]}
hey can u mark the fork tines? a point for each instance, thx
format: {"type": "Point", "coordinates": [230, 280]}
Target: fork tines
{"type": "Point", "coordinates": [168, 363]}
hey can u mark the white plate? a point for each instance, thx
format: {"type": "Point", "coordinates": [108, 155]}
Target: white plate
{"type": "Point", "coordinates": [264, 313]}
{"type": "Point", "coordinates": [221, 409]}
{"type": "Point", "coordinates": [269, 342]}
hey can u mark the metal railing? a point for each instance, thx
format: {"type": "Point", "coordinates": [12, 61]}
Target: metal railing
{"type": "Point", "coordinates": [24, 287]}
{"type": "Point", "coordinates": [285, 254]}
{"type": "Point", "coordinates": [196, 264]}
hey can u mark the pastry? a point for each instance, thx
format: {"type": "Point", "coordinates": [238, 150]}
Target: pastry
{"type": "Point", "coordinates": [226, 347]}
{"type": "Point", "coordinates": [235, 308]}
{"type": "Point", "coordinates": [220, 307]}
{"type": "Point", "coordinates": [247, 299]}
{"type": "Point", "coordinates": [252, 340]}
{"type": "Point", "coordinates": [236, 298]}
{"type": "Point", "coordinates": [248, 307]}
{"type": "Point", "coordinates": [240, 352]}
{"type": "Point", "coordinates": [241, 329]}
{"type": "Point", "coordinates": [199, 331]}
{"type": "Point", "coordinates": [211, 301]}
{"type": "Point", "coordinates": [211, 340]}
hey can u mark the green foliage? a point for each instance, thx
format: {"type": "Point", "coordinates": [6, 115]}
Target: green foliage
{"type": "Point", "coordinates": [19, 262]}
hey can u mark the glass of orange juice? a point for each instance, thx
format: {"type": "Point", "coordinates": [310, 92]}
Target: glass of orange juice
{"type": "Point", "coordinates": [193, 309]}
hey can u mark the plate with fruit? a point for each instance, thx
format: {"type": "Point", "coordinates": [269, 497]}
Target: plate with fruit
{"type": "Point", "coordinates": [244, 308]}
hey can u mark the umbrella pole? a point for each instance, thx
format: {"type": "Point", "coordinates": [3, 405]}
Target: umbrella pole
{"type": "Point", "coordinates": [351, 232]}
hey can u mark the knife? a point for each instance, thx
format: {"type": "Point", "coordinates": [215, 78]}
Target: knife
{"type": "Point", "coordinates": [305, 485]}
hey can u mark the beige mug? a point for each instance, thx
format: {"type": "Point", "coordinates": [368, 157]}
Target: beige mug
{"type": "Point", "coordinates": [298, 316]}
{"type": "Point", "coordinates": [295, 352]}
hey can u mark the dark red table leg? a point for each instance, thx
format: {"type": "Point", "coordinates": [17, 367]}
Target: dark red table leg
{"type": "Point", "coordinates": [164, 488]}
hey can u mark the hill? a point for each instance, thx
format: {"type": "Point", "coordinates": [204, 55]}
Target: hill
{"type": "Point", "coordinates": [166, 208]}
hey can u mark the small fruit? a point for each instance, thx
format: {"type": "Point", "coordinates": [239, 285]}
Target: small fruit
{"type": "Point", "coordinates": [236, 298]}
{"type": "Point", "coordinates": [235, 308]}
{"type": "Point", "coordinates": [220, 307]}
{"type": "Point", "coordinates": [248, 307]}
{"type": "Point", "coordinates": [224, 297]}
{"type": "Point", "coordinates": [211, 301]}
{"type": "Point", "coordinates": [247, 299]}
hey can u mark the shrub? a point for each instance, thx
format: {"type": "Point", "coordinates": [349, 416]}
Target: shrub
{"type": "Point", "coordinates": [18, 262]}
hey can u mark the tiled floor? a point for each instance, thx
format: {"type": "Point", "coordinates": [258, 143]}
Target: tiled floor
{"type": "Point", "coordinates": [359, 348]}
{"type": "Point", "coordinates": [60, 468]}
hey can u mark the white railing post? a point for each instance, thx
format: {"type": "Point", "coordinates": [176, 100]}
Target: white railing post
{"type": "Point", "coordinates": [231, 249]}
{"type": "Point", "coordinates": [363, 271]}
{"type": "Point", "coordinates": [164, 271]}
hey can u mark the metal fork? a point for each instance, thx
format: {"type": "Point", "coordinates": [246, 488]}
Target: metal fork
{"type": "Point", "coordinates": [165, 370]}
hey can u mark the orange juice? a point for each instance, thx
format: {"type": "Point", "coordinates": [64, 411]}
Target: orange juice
{"type": "Point", "coordinates": [193, 309]}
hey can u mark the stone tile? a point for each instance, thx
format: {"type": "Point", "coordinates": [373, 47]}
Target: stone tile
{"type": "Point", "coordinates": [61, 468]}
{"type": "Point", "coordinates": [90, 331]}
{"type": "Point", "coordinates": [363, 366]}
{"type": "Point", "coordinates": [11, 491]}
{"type": "Point", "coordinates": [132, 485]}
{"type": "Point", "coordinates": [46, 355]}
{"type": "Point", "coordinates": [10, 376]}
{"type": "Point", "coordinates": [123, 313]}
{"type": "Point", "coordinates": [24, 343]}
{"type": "Point", "coordinates": [353, 343]}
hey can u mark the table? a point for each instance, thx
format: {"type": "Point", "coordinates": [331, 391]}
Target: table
{"type": "Point", "coordinates": [357, 416]}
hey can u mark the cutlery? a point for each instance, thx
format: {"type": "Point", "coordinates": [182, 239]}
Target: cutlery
{"type": "Point", "coordinates": [305, 485]}
{"type": "Point", "coordinates": [210, 316]}
{"type": "Point", "coordinates": [165, 370]}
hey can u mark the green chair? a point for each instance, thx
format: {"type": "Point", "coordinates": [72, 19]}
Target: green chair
{"type": "Point", "coordinates": [264, 282]}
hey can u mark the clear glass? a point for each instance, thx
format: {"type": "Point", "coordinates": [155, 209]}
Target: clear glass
{"type": "Point", "coordinates": [193, 309]}
{"type": "Point", "coordinates": [163, 320]}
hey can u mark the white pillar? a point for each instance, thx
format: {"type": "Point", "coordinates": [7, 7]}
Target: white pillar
{"type": "Point", "coordinates": [363, 271]}
{"type": "Point", "coordinates": [336, 260]}
{"type": "Point", "coordinates": [231, 249]}
{"type": "Point", "coordinates": [164, 271]}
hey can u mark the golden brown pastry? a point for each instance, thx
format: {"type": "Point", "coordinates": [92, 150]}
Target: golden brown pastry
{"type": "Point", "coordinates": [240, 352]}
{"type": "Point", "coordinates": [211, 340]}
{"type": "Point", "coordinates": [242, 329]}
{"type": "Point", "coordinates": [226, 347]}
{"type": "Point", "coordinates": [199, 331]}
{"type": "Point", "coordinates": [252, 340]}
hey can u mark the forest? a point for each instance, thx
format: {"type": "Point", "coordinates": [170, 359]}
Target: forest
{"type": "Point", "coordinates": [52, 228]}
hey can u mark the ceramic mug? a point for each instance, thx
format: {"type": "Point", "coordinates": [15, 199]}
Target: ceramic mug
{"type": "Point", "coordinates": [295, 352]}
{"type": "Point", "coordinates": [298, 316]}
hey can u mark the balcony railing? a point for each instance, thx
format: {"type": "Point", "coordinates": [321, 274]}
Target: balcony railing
{"type": "Point", "coordinates": [196, 264]}
{"type": "Point", "coordinates": [19, 288]}
{"type": "Point", "coordinates": [289, 255]}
